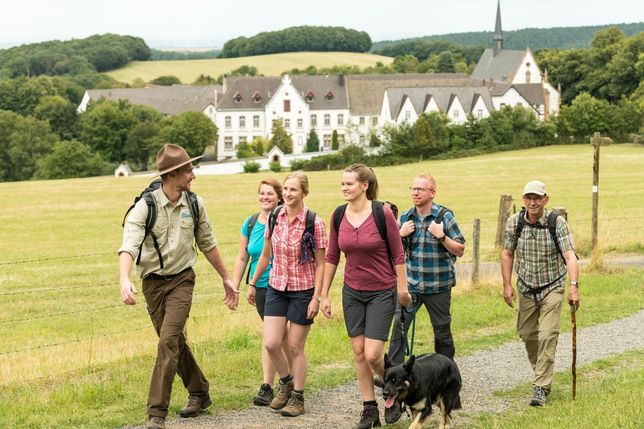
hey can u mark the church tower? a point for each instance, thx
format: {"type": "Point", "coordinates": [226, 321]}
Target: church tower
{"type": "Point", "coordinates": [498, 33]}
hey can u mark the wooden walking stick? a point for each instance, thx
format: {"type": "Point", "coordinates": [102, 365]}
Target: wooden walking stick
{"type": "Point", "coordinates": [573, 320]}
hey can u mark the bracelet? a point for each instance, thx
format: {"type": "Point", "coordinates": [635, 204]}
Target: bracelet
{"type": "Point", "coordinates": [250, 284]}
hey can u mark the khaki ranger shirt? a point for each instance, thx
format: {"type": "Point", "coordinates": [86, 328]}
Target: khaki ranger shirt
{"type": "Point", "coordinates": [174, 229]}
{"type": "Point", "coordinates": [537, 262]}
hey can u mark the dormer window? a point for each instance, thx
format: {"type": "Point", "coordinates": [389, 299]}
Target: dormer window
{"type": "Point", "coordinates": [237, 98]}
{"type": "Point", "coordinates": [310, 98]}
{"type": "Point", "coordinates": [257, 98]}
{"type": "Point", "coordinates": [329, 96]}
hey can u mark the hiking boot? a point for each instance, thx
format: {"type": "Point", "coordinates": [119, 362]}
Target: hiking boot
{"type": "Point", "coordinates": [156, 422]}
{"type": "Point", "coordinates": [264, 396]}
{"type": "Point", "coordinates": [195, 405]}
{"type": "Point", "coordinates": [295, 405]}
{"type": "Point", "coordinates": [378, 382]}
{"type": "Point", "coordinates": [539, 395]}
{"type": "Point", "coordinates": [393, 413]}
{"type": "Point", "coordinates": [369, 418]}
{"type": "Point", "coordinates": [283, 396]}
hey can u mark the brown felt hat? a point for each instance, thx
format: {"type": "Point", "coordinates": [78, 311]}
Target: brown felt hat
{"type": "Point", "coordinates": [171, 157]}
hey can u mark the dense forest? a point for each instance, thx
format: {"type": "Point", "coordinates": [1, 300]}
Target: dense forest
{"type": "Point", "coordinates": [295, 39]}
{"type": "Point", "coordinates": [533, 38]}
{"type": "Point", "coordinates": [158, 55]}
{"type": "Point", "coordinates": [96, 53]}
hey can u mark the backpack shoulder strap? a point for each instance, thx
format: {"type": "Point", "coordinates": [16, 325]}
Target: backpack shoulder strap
{"type": "Point", "coordinates": [338, 214]}
{"type": "Point", "coordinates": [251, 223]}
{"type": "Point", "coordinates": [193, 204]}
{"type": "Point", "coordinates": [441, 214]}
{"type": "Point", "coordinates": [310, 222]}
{"type": "Point", "coordinates": [552, 228]}
{"type": "Point", "coordinates": [520, 225]}
{"type": "Point", "coordinates": [379, 217]}
{"type": "Point", "coordinates": [150, 220]}
{"type": "Point", "coordinates": [272, 220]}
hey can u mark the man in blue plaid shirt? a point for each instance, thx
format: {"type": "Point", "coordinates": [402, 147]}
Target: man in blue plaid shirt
{"type": "Point", "coordinates": [433, 248]}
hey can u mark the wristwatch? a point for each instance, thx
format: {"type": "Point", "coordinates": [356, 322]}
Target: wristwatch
{"type": "Point", "coordinates": [441, 239]}
{"type": "Point", "coordinates": [574, 283]}
{"type": "Point", "coordinates": [319, 299]}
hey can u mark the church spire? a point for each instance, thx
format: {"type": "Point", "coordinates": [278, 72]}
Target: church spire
{"type": "Point", "coordinates": [498, 33]}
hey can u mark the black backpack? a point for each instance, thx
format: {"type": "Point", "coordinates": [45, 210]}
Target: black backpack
{"type": "Point", "coordinates": [407, 241]}
{"type": "Point", "coordinates": [309, 226]}
{"type": "Point", "coordinates": [378, 211]}
{"type": "Point", "coordinates": [152, 215]}
{"type": "Point", "coordinates": [551, 225]}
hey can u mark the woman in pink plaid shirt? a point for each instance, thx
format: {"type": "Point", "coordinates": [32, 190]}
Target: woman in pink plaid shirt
{"type": "Point", "coordinates": [293, 295]}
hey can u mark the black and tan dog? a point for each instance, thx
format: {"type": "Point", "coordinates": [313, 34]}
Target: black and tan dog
{"type": "Point", "coordinates": [420, 382]}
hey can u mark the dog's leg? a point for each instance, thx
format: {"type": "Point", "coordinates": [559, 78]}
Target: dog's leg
{"type": "Point", "coordinates": [443, 416]}
{"type": "Point", "coordinates": [415, 424]}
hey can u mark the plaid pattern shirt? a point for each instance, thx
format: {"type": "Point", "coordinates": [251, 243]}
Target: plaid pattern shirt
{"type": "Point", "coordinates": [430, 267]}
{"type": "Point", "coordinates": [537, 262]}
{"type": "Point", "coordinates": [287, 273]}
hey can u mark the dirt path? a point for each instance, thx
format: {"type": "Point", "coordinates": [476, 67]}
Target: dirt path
{"type": "Point", "coordinates": [482, 372]}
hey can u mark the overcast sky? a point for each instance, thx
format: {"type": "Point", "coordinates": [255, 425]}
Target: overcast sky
{"type": "Point", "coordinates": [212, 22]}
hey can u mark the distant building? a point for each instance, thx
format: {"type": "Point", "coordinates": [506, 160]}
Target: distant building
{"type": "Point", "coordinates": [169, 100]}
{"type": "Point", "coordinates": [514, 77]}
{"type": "Point", "coordinates": [355, 106]}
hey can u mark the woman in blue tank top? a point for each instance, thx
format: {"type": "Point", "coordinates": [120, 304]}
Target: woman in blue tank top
{"type": "Point", "coordinates": [250, 248]}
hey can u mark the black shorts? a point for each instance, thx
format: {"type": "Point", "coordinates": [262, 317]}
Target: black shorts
{"type": "Point", "coordinates": [368, 313]}
{"type": "Point", "coordinates": [290, 304]}
{"type": "Point", "coordinates": [260, 300]}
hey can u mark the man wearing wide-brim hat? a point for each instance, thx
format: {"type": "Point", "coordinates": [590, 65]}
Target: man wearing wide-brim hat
{"type": "Point", "coordinates": [544, 249]}
{"type": "Point", "coordinates": [164, 258]}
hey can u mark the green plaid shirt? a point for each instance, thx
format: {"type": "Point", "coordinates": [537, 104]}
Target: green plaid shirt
{"type": "Point", "coordinates": [537, 262]}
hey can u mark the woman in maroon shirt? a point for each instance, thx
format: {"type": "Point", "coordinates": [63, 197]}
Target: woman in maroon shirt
{"type": "Point", "coordinates": [370, 280]}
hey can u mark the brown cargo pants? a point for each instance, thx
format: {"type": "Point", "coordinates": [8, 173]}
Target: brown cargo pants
{"type": "Point", "coordinates": [169, 300]}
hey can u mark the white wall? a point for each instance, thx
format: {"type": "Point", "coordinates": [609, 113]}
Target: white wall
{"type": "Point", "coordinates": [528, 64]}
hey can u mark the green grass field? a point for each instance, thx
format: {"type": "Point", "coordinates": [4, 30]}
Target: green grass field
{"type": "Point", "coordinates": [268, 65]}
{"type": "Point", "coordinates": [67, 344]}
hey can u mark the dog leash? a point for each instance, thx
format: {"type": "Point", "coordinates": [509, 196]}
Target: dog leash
{"type": "Point", "coordinates": [409, 350]}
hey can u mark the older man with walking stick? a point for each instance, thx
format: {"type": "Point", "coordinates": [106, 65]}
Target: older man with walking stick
{"type": "Point", "coordinates": [545, 253]}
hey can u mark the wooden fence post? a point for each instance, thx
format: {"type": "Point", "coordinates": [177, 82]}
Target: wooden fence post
{"type": "Point", "coordinates": [476, 256]}
{"type": "Point", "coordinates": [596, 144]}
{"type": "Point", "coordinates": [562, 212]}
{"type": "Point", "coordinates": [504, 214]}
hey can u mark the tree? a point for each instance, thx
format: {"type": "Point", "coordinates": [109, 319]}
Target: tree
{"type": "Point", "coordinates": [312, 142]}
{"type": "Point", "coordinates": [105, 127]}
{"type": "Point", "coordinates": [584, 116]}
{"type": "Point", "coordinates": [166, 80]}
{"type": "Point", "coordinates": [281, 138]}
{"type": "Point", "coordinates": [23, 140]}
{"type": "Point", "coordinates": [142, 143]}
{"type": "Point", "coordinates": [191, 130]}
{"type": "Point", "coordinates": [445, 63]}
{"type": "Point", "coordinates": [260, 145]}
{"type": "Point", "coordinates": [245, 150]}
{"type": "Point", "coordinates": [60, 113]}
{"type": "Point", "coordinates": [71, 158]}
{"type": "Point", "coordinates": [335, 144]}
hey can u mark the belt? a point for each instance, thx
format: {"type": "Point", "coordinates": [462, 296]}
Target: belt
{"type": "Point", "coordinates": [168, 277]}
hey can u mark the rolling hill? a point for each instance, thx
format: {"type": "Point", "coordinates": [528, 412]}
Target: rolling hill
{"type": "Point", "coordinates": [268, 65]}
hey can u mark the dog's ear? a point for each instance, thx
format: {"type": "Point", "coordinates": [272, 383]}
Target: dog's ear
{"type": "Point", "coordinates": [387, 361]}
{"type": "Point", "coordinates": [409, 364]}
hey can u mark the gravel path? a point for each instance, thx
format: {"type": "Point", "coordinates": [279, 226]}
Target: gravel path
{"type": "Point", "coordinates": [482, 372]}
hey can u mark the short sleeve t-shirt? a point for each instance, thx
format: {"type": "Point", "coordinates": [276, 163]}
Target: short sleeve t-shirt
{"type": "Point", "coordinates": [254, 248]}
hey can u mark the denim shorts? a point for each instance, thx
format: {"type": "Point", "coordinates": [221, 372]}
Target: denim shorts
{"type": "Point", "coordinates": [290, 304]}
{"type": "Point", "coordinates": [368, 313]}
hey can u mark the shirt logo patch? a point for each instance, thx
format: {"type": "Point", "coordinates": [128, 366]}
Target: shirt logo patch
{"type": "Point", "coordinates": [185, 213]}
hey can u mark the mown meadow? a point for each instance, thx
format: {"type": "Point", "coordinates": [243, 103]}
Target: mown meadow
{"type": "Point", "coordinates": [72, 356]}
{"type": "Point", "coordinates": [268, 65]}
